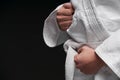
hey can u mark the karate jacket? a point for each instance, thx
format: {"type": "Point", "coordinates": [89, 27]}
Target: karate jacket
{"type": "Point", "coordinates": [96, 23]}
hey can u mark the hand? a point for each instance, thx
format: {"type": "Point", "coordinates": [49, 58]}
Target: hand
{"type": "Point", "coordinates": [87, 60]}
{"type": "Point", "coordinates": [64, 16]}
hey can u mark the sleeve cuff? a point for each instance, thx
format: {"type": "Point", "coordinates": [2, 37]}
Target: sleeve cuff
{"type": "Point", "coordinates": [112, 60]}
{"type": "Point", "coordinates": [51, 32]}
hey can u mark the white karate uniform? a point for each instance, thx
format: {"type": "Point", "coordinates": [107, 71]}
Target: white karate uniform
{"type": "Point", "coordinates": [95, 23]}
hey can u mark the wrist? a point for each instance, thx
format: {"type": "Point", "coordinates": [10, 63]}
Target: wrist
{"type": "Point", "coordinates": [101, 63]}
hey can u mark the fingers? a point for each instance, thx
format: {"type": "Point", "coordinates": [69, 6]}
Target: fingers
{"type": "Point", "coordinates": [66, 9]}
{"type": "Point", "coordinates": [65, 25]}
{"type": "Point", "coordinates": [67, 5]}
{"type": "Point", "coordinates": [63, 18]}
{"type": "Point", "coordinates": [76, 59]}
{"type": "Point", "coordinates": [84, 48]}
{"type": "Point", "coordinates": [78, 62]}
{"type": "Point", "coordinates": [65, 12]}
{"type": "Point", "coordinates": [64, 22]}
{"type": "Point", "coordinates": [79, 50]}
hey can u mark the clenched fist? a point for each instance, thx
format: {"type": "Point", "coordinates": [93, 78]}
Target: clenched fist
{"type": "Point", "coordinates": [87, 60]}
{"type": "Point", "coordinates": [64, 16]}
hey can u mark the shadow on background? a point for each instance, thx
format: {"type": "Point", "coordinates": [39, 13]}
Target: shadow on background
{"type": "Point", "coordinates": [24, 55]}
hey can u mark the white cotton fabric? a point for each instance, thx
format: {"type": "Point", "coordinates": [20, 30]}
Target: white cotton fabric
{"type": "Point", "coordinates": [96, 23]}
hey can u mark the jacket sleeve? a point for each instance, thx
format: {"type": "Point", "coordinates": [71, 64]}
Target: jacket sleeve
{"type": "Point", "coordinates": [109, 52]}
{"type": "Point", "coordinates": [52, 35]}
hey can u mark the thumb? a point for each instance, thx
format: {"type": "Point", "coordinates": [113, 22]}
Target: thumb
{"type": "Point", "coordinates": [76, 59]}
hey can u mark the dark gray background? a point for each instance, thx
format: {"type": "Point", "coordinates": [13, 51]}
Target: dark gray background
{"type": "Point", "coordinates": [23, 54]}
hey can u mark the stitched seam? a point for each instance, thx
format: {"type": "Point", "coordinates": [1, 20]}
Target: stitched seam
{"type": "Point", "coordinates": [87, 18]}
{"type": "Point", "coordinates": [103, 34]}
